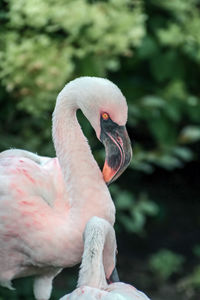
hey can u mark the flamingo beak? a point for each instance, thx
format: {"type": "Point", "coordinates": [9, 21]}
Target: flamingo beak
{"type": "Point", "coordinates": [118, 150]}
{"type": "Point", "coordinates": [114, 277]}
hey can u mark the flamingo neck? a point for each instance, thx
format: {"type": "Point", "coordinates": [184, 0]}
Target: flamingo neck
{"type": "Point", "coordinates": [99, 247]}
{"type": "Point", "coordinates": [84, 181]}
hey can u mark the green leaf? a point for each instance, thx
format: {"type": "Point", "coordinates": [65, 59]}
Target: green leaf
{"type": "Point", "coordinates": [165, 263]}
{"type": "Point", "coordinates": [190, 134]}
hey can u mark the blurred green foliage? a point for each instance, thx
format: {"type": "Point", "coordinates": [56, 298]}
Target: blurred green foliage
{"type": "Point", "coordinates": [191, 282]}
{"type": "Point", "coordinates": [165, 263]}
{"type": "Point", "coordinates": [46, 43]}
{"type": "Point", "coordinates": [150, 48]}
{"type": "Point", "coordinates": [132, 211]}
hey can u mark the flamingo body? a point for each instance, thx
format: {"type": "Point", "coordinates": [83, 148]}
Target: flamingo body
{"type": "Point", "coordinates": [38, 231]}
{"type": "Point", "coordinates": [46, 202]}
{"type": "Point", "coordinates": [115, 291]}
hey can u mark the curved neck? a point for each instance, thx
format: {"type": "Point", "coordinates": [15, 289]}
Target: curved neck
{"type": "Point", "coordinates": [82, 176]}
{"type": "Point", "coordinates": [99, 246]}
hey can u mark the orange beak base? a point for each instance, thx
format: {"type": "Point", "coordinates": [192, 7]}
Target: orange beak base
{"type": "Point", "coordinates": [108, 172]}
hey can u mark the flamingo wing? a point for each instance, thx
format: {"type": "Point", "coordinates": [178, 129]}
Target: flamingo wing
{"type": "Point", "coordinates": [24, 154]}
{"type": "Point", "coordinates": [31, 206]}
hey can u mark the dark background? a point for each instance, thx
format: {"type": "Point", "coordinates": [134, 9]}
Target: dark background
{"type": "Point", "coordinates": [151, 50]}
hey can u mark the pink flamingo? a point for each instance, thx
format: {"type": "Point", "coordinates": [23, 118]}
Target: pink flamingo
{"type": "Point", "coordinates": [98, 262]}
{"type": "Point", "coordinates": [46, 202]}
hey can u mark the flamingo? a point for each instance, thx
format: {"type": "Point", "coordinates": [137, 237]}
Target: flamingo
{"type": "Point", "coordinates": [98, 263]}
{"type": "Point", "coordinates": [45, 202]}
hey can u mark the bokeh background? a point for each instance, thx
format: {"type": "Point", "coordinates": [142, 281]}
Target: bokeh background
{"type": "Point", "coordinates": [151, 50]}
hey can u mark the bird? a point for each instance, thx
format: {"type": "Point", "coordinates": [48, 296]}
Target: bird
{"type": "Point", "coordinates": [46, 202]}
{"type": "Point", "coordinates": [98, 263]}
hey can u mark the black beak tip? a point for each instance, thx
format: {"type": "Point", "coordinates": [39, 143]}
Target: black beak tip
{"type": "Point", "coordinates": [114, 277]}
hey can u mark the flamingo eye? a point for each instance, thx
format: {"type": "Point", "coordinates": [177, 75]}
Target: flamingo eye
{"type": "Point", "coordinates": [105, 116]}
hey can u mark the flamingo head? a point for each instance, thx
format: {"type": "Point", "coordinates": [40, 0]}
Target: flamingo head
{"type": "Point", "coordinates": [105, 107]}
